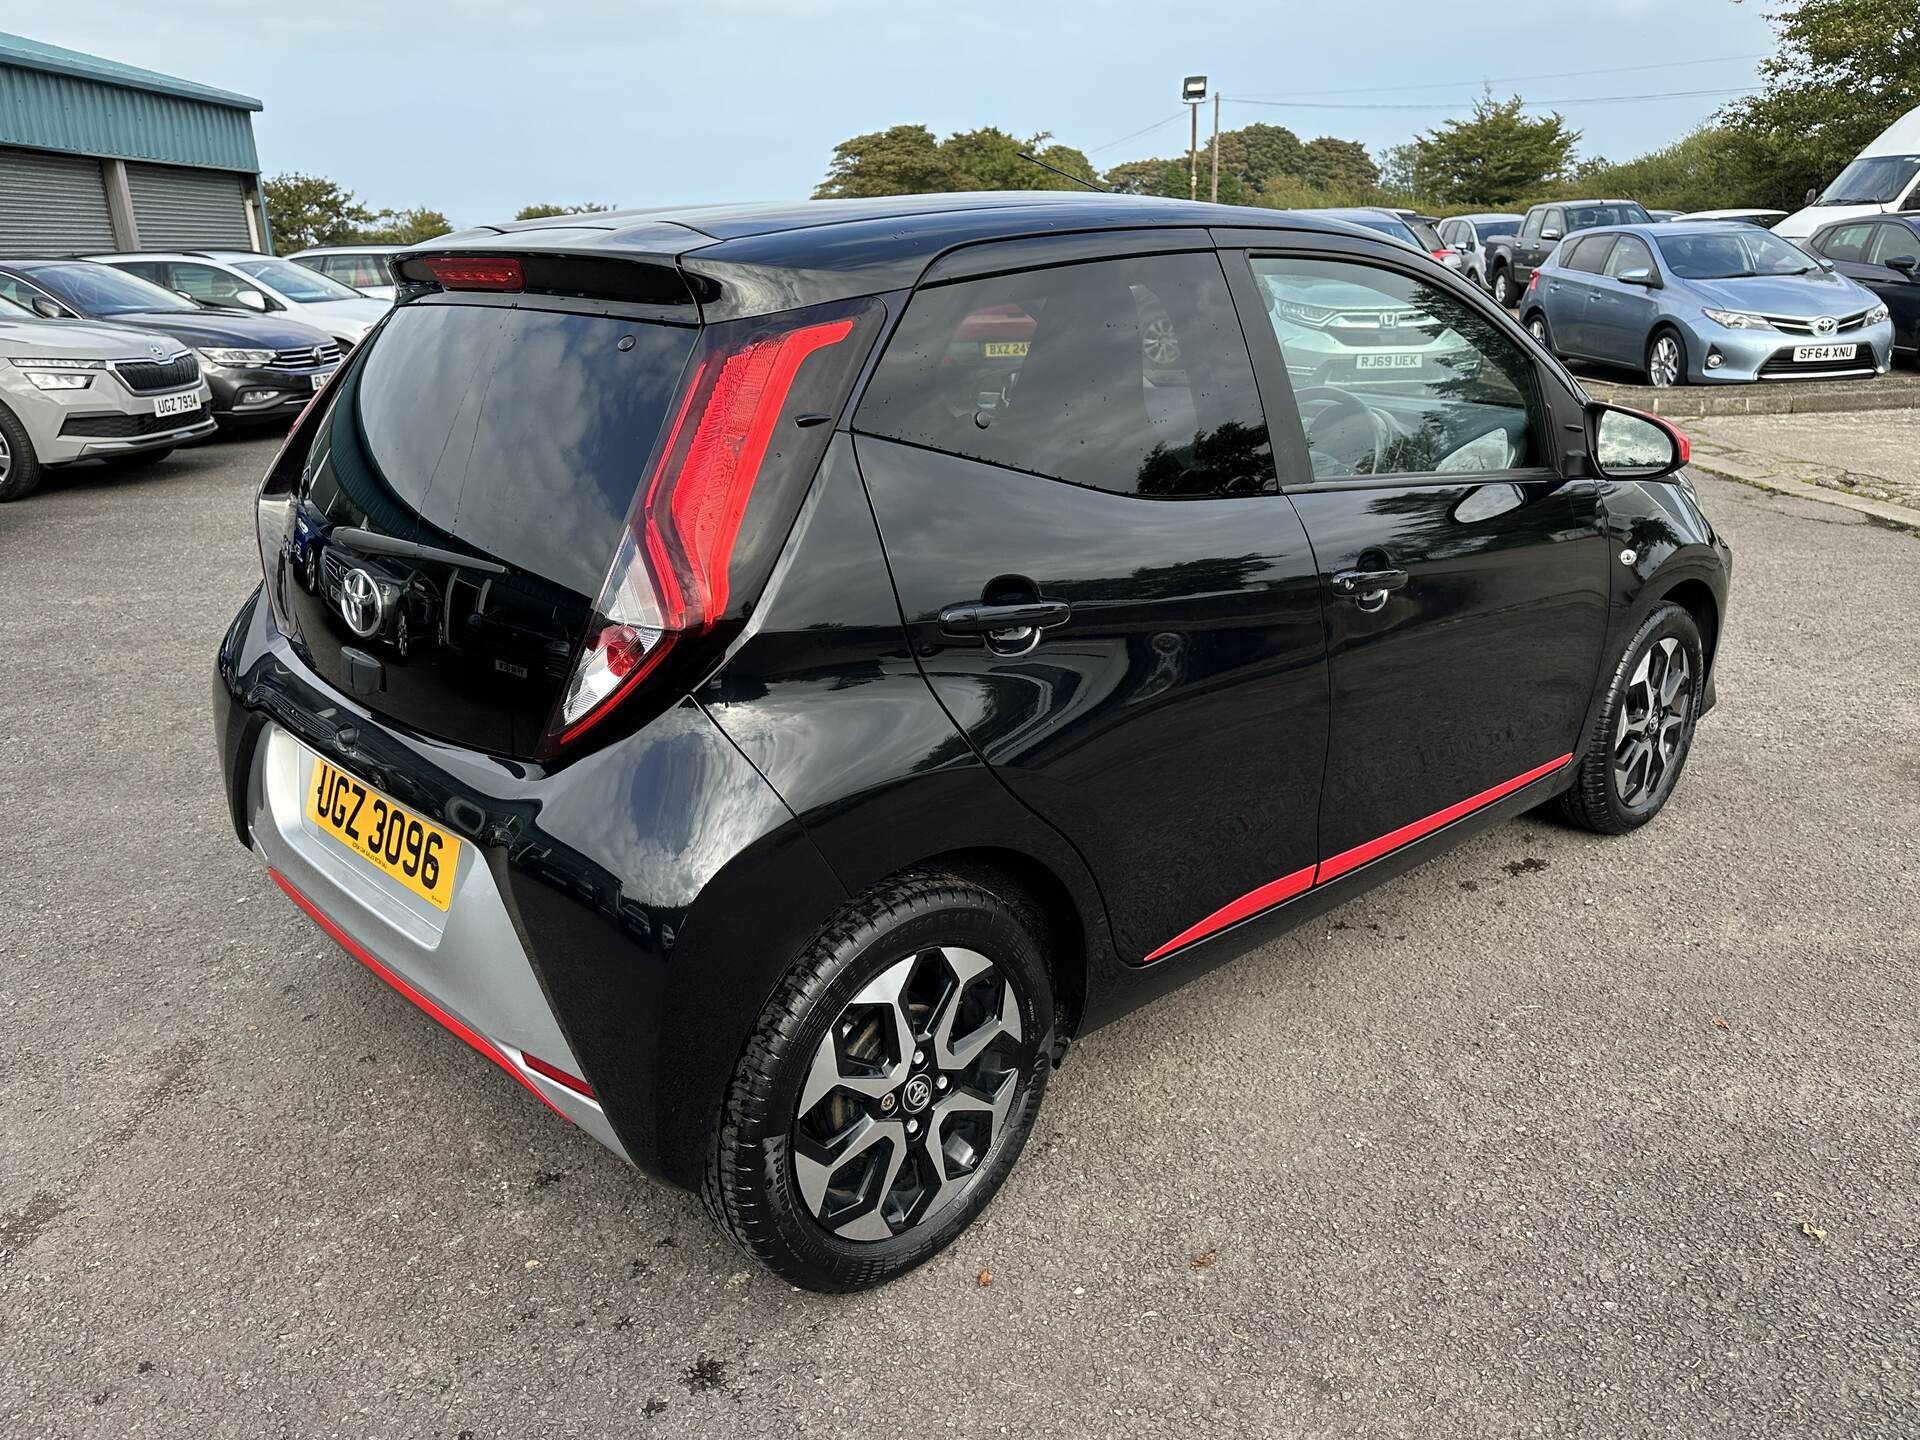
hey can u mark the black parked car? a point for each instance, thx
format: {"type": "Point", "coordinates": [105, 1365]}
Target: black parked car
{"type": "Point", "coordinates": [259, 369]}
{"type": "Point", "coordinates": [1882, 252]}
{"type": "Point", "coordinates": [929, 676]}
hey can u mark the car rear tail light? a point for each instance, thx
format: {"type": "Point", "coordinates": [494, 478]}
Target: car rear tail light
{"type": "Point", "coordinates": [466, 272]}
{"type": "Point", "coordinates": [672, 576]}
{"type": "Point", "coordinates": [1441, 254]}
{"type": "Point", "coordinates": [1533, 282]}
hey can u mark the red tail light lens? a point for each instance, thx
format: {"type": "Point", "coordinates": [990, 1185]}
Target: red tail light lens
{"type": "Point", "coordinates": [459, 272]}
{"type": "Point", "coordinates": [671, 577]}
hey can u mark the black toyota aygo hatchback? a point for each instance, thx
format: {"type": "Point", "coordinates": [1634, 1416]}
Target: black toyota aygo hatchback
{"type": "Point", "coordinates": [770, 677]}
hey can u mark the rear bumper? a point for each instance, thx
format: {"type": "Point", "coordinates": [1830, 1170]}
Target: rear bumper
{"type": "Point", "coordinates": [465, 968]}
{"type": "Point", "coordinates": [622, 919]}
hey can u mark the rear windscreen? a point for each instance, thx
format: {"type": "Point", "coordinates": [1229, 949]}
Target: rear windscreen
{"type": "Point", "coordinates": [521, 432]}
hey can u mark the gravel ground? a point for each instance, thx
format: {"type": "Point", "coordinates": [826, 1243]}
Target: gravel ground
{"type": "Point", "coordinates": [1555, 1136]}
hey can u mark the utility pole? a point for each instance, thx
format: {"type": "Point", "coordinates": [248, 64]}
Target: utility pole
{"type": "Point", "coordinates": [1214, 193]}
{"type": "Point", "coordinates": [1193, 90]}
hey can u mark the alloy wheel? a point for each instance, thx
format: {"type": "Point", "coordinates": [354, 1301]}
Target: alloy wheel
{"type": "Point", "coordinates": [907, 1094]}
{"type": "Point", "coordinates": [6, 458]}
{"type": "Point", "coordinates": [1663, 362]}
{"type": "Point", "coordinates": [1500, 290]}
{"type": "Point", "coordinates": [1537, 327]}
{"type": "Point", "coordinates": [1652, 727]}
{"type": "Point", "coordinates": [1160, 342]}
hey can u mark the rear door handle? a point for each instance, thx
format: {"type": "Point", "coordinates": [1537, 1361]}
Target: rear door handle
{"type": "Point", "coordinates": [982, 619]}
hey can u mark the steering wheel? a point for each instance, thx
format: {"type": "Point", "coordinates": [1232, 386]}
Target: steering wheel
{"type": "Point", "coordinates": [1344, 406]}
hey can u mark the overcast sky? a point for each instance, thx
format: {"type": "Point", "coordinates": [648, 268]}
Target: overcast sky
{"type": "Point", "coordinates": [476, 107]}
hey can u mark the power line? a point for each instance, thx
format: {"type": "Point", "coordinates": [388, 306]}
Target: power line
{"type": "Point", "coordinates": [1135, 135]}
{"type": "Point", "coordinates": [1497, 79]}
{"type": "Point", "coordinates": [1527, 105]}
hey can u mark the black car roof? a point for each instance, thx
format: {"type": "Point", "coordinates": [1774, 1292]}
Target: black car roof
{"type": "Point", "coordinates": [817, 249]}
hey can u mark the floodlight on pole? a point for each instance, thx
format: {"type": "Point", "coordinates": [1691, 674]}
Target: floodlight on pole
{"type": "Point", "coordinates": [1193, 93]}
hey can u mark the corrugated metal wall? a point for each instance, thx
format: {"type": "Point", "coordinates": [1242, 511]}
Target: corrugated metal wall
{"type": "Point", "coordinates": [65, 112]}
{"type": "Point", "coordinates": [180, 209]}
{"type": "Point", "coordinates": [52, 204]}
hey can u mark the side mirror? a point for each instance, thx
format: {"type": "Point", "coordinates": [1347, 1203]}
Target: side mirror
{"type": "Point", "coordinates": [1632, 445]}
{"type": "Point", "coordinates": [1905, 264]}
{"type": "Point", "coordinates": [1549, 232]}
{"type": "Point", "coordinates": [1640, 275]}
{"type": "Point", "coordinates": [1812, 195]}
{"type": "Point", "coordinates": [47, 309]}
{"type": "Point", "coordinates": [252, 299]}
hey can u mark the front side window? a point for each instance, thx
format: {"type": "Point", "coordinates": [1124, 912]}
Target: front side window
{"type": "Point", "coordinates": [1556, 220]}
{"type": "Point", "coordinates": [1535, 219]}
{"type": "Point", "coordinates": [1394, 376]}
{"type": "Point", "coordinates": [1124, 375]}
{"type": "Point", "coordinates": [1630, 254]}
{"type": "Point", "coordinates": [1590, 254]}
{"type": "Point", "coordinates": [1893, 242]}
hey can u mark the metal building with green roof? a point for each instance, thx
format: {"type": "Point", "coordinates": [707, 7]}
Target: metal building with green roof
{"type": "Point", "coordinates": [97, 155]}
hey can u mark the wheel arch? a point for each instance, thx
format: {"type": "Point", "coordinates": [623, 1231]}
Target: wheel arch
{"type": "Point", "coordinates": [1696, 597]}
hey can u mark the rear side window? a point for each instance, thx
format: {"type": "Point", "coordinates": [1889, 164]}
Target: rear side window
{"type": "Point", "coordinates": [1590, 254]}
{"type": "Point", "coordinates": [522, 433]}
{"type": "Point", "coordinates": [1892, 242]}
{"type": "Point", "coordinates": [1124, 375]}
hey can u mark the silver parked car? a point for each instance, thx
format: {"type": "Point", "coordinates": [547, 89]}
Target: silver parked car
{"type": "Point", "coordinates": [1468, 234]}
{"type": "Point", "coordinates": [1697, 302]}
{"type": "Point", "coordinates": [362, 267]}
{"type": "Point", "coordinates": [76, 390]}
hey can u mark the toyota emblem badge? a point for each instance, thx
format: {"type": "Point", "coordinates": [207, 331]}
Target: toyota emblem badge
{"type": "Point", "coordinates": [360, 603]}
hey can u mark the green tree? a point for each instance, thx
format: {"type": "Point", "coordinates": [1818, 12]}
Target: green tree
{"type": "Point", "coordinates": [308, 210]}
{"type": "Point", "coordinates": [908, 160]}
{"type": "Point", "coordinates": [1148, 177]}
{"type": "Point", "coordinates": [405, 227]}
{"type": "Point", "coordinates": [1330, 164]}
{"type": "Point", "coordinates": [543, 211]}
{"type": "Point", "coordinates": [1494, 158]}
{"type": "Point", "coordinates": [1714, 167]}
{"type": "Point", "coordinates": [1843, 71]}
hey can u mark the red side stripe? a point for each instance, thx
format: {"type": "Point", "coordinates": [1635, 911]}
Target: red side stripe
{"type": "Point", "coordinates": [556, 1074]}
{"type": "Point", "coordinates": [459, 1027]}
{"type": "Point", "coordinates": [1251, 903]}
{"type": "Point", "coordinates": [1286, 887]}
{"type": "Point", "coordinates": [1360, 854]}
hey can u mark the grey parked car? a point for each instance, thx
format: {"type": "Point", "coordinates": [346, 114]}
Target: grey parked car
{"type": "Point", "coordinates": [1693, 302]}
{"type": "Point", "coordinates": [1469, 234]}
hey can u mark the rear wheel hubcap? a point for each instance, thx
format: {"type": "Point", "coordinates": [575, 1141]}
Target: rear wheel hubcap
{"type": "Point", "coordinates": [908, 1093]}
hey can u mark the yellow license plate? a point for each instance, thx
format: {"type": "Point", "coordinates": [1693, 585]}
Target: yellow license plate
{"type": "Point", "coordinates": [420, 856]}
{"type": "Point", "coordinates": [1005, 349]}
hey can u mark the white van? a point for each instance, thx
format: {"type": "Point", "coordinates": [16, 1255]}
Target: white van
{"type": "Point", "coordinates": [1881, 179]}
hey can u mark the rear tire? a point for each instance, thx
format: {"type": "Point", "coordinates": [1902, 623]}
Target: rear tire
{"type": "Point", "coordinates": [1645, 733]}
{"type": "Point", "coordinates": [20, 467]}
{"type": "Point", "coordinates": [1541, 331]}
{"type": "Point", "coordinates": [932, 997]}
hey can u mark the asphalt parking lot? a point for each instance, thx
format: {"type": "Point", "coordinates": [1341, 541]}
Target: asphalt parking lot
{"type": "Point", "coordinates": [1555, 1136]}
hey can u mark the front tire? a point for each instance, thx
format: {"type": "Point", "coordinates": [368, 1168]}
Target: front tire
{"type": "Point", "coordinates": [887, 1088]}
{"type": "Point", "coordinates": [1666, 359]}
{"type": "Point", "coordinates": [20, 468]}
{"type": "Point", "coordinates": [1646, 727]}
{"type": "Point", "coordinates": [1503, 287]}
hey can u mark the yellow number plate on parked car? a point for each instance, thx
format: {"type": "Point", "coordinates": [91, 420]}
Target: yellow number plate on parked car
{"type": "Point", "coordinates": [1005, 349]}
{"type": "Point", "coordinates": [420, 856]}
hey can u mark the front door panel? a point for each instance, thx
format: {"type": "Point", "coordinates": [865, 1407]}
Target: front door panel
{"type": "Point", "coordinates": [1479, 669]}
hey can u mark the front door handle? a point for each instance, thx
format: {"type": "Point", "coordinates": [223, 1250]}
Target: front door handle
{"type": "Point", "coordinates": [1368, 588]}
{"type": "Point", "coordinates": [1010, 630]}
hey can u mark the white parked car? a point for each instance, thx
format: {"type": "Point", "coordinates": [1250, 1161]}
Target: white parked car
{"type": "Point", "coordinates": [75, 390]}
{"type": "Point", "coordinates": [264, 284]}
{"type": "Point", "coordinates": [364, 267]}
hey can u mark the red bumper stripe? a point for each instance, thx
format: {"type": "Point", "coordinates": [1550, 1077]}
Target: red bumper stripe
{"type": "Point", "coordinates": [459, 1027]}
{"type": "Point", "coordinates": [1276, 892]}
{"type": "Point", "coordinates": [1360, 854]}
{"type": "Point", "coordinates": [556, 1074]}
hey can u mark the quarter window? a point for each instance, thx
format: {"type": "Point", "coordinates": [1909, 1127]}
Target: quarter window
{"type": "Point", "coordinates": [1394, 376]}
{"type": "Point", "coordinates": [1124, 375]}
